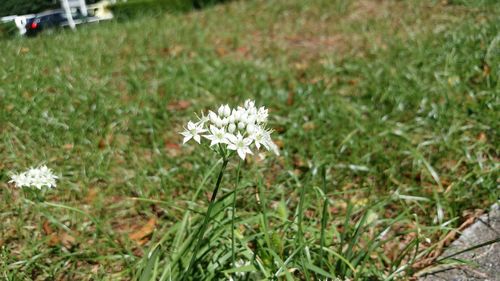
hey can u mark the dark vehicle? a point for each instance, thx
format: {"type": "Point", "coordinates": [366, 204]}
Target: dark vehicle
{"type": "Point", "coordinates": [46, 20]}
{"type": "Point", "coordinates": [49, 20]}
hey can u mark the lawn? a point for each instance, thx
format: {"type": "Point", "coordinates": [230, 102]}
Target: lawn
{"type": "Point", "coordinates": [385, 113]}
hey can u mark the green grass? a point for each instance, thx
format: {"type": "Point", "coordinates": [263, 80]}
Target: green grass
{"type": "Point", "coordinates": [395, 99]}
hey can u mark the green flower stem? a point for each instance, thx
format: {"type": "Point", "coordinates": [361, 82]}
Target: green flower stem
{"type": "Point", "coordinates": [233, 211]}
{"type": "Point", "coordinates": [204, 226]}
{"type": "Point", "coordinates": [324, 218]}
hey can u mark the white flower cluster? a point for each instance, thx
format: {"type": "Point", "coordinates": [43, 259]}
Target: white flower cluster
{"type": "Point", "coordinates": [234, 129]}
{"type": "Point", "coordinates": [35, 177]}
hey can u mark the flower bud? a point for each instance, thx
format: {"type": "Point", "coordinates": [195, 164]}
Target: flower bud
{"type": "Point", "coordinates": [231, 119]}
{"type": "Point", "coordinates": [227, 110]}
{"type": "Point", "coordinates": [244, 116]}
{"type": "Point", "coordinates": [252, 111]}
{"type": "Point", "coordinates": [225, 121]}
{"type": "Point", "coordinates": [221, 110]}
{"type": "Point", "coordinates": [249, 104]}
{"type": "Point", "coordinates": [241, 125]}
{"type": "Point", "coordinates": [231, 128]}
{"type": "Point", "coordinates": [250, 128]}
{"type": "Point", "coordinates": [251, 119]}
{"type": "Point", "coordinates": [237, 116]}
{"type": "Point", "coordinates": [213, 117]}
{"type": "Point", "coordinates": [219, 123]}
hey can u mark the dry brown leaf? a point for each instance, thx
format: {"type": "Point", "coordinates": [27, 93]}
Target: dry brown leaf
{"type": "Point", "coordinates": [301, 65]}
{"type": "Point", "coordinates": [138, 252]}
{"type": "Point", "coordinates": [68, 146]}
{"type": "Point", "coordinates": [279, 143]}
{"type": "Point", "coordinates": [67, 240]}
{"type": "Point", "coordinates": [486, 70]}
{"type": "Point", "coordinates": [46, 228]}
{"type": "Point", "coordinates": [309, 214]}
{"type": "Point", "coordinates": [298, 162]}
{"type": "Point", "coordinates": [221, 51]}
{"type": "Point", "coordinates": [106, 141]}
{"type": "Point", "coordinates": [291, 98]}
{"type": "Point", "coordinates": [140, 235]}
{"type": "Point", "coordinates": [54, 239]}
{"type": "Point", "coordinates": [308, 126]}
{"type": "Point", "coordinates": [242, 50]}
{"type": "Point", "coordinates": [482, 137]}
{"type": "Point", "coordinates": [91, 195]}
{"type": "Point", "coordinates": [179, 105]}
{"type": "Point", "coordinates": [173, 149]}
{"type": "Point", "coordinates": [175, 50]}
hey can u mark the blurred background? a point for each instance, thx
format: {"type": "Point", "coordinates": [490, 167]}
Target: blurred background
{"type": "Point", "coordinates": [26, 17]}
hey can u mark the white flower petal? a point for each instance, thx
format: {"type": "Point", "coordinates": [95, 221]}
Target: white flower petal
{"type": "Point", "coordinates": [186, 139]}
{"type": "Point", "coordinates": [241, 153]}
{"type": "Point", "coordinates": [197, 138]}
{"type": "Point", "coordinates": [232, 138]}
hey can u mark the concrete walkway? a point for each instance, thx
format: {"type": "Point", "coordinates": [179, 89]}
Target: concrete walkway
{"type": "Point", "coordinates": [484, 262]}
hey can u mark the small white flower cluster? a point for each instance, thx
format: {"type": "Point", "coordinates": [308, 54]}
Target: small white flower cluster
{"type": "Point", "coordinates": [234, 129]}
{"type": "Point", "coordinates": [239, 263]}
{"type": "Point", "coordinates": [35, 177]}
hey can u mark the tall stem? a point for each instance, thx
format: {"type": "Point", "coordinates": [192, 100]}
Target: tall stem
{"type": "Point", "coordinates": [300, 235]}
{"type": "Point", "coordinates": [324, 218]}
{"type": "Point", "coordinates": [201, 232]}
{"type": "Point", "coordinates": [233, 211]}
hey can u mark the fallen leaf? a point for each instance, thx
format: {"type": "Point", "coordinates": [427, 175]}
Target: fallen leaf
{"type": "Point", "coordinates": [298, 162]}
{"type": "Point", "coordinates": [482, 137]}
{"type": "Point", "coordinates": [91, 195]}
{"type": "Point", "coordinates": [46, 228]}
{"type": "Point", "coordinates": [175, 50]}
{"type": "Point", "coordinates": [280, 129]}
{"type": "Point", "coordinates": [486, 70]}
{"type": "Point", "coordinates": [179, 105]}
{"type": "Point", "coordinates": [157, 210]}
{"type": "Point", "coordinates": [102, 144]}
{"type": "Point", "coordinates": [67, 240]}
{"type": "Point", "coordinates": [68, 146]}
{"type": "Point", "coordinates": [291, 98]}
{"type": "Point", "coordinates": [54, 239]}
{"type": "Point", "coordinates": [353, 82]}
{"type": "Point", "coordinates": [106, 141]}
{"type": "Point", "coordinates": [221, 51]}
{"type": "Point", "coordinates": [301, 65]}
{"type": "Point", "coordinates": [309, 214]}
{"type": "Point", "coordinates": [173, 149]}
{"type": "Point", "coordinates": [308, 126]}
{"type": "Point", "coordinates": [242, 50]}
{"type": "Point", "coordinates": [138, 252]}
{"type": "Point", "coordinates": [279, 143]}
{"type": "Point", "coordinates": [140, 235]}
